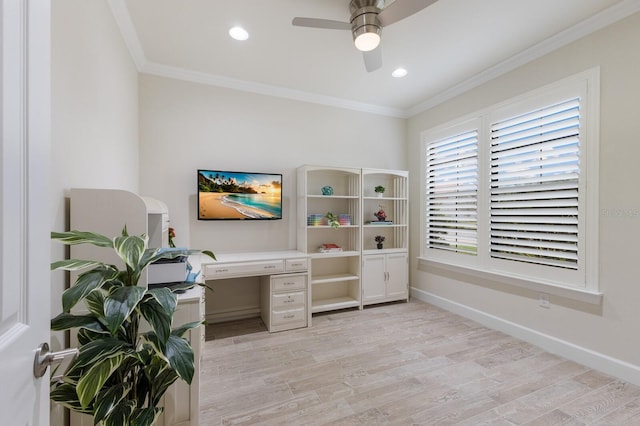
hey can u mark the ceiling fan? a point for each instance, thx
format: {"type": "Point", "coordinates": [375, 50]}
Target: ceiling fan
{"type": "Point", "coordinates": [368, 17]}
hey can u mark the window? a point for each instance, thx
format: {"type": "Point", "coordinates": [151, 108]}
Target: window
{"type": "Point", "coordinates": [505, 189]}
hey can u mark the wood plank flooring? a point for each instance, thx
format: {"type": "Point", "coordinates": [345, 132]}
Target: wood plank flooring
{"type": "Point", "coordinates": [399, 364]}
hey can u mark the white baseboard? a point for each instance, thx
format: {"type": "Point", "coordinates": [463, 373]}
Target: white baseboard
{"type": "Point", "coordinates": [598, 361]}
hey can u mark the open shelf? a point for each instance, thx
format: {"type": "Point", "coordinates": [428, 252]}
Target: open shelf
{"type": "Point", "coordinates": [332, 278]}
{"type": "Point", "coordinates": [324, 305]}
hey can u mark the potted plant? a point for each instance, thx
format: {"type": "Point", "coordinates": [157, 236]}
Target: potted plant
{"type": "Point", "coordinates": [380, 215]}
{"type": "Point", "coordinates": [332, 220]}
{"type": "Point", "coordinates": [120, 375]}
{"type": "Point", "coordinates": [379, 240]}
{"type": "Point", "coordinates": [379, 190]}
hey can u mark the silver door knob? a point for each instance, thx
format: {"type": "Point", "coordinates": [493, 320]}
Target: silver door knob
{"type": "Point", "coordinates": [44, 358]}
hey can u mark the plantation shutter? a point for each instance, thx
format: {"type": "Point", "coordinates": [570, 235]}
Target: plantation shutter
{"type": "Point", "coordinates": [535, 171]}
{"type": "Point", "coordinates": [452, 187]}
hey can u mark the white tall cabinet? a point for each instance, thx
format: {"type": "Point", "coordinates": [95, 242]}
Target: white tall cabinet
{"type": "Point", "coordinates": [357, 272]}
{"type": "Point", "coordinates": [385, 271]}
{"type": "Point", "coordinates": [334, 272]}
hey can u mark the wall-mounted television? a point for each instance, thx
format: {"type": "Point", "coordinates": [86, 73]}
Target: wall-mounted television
{"type": "Point", "coordinates": [227, 195]}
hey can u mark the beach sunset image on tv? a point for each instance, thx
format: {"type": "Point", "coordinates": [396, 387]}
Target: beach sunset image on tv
{"type": "Point", "coordinates": [239, 195]}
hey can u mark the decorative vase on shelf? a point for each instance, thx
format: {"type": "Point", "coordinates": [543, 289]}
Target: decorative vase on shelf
{"type": "Point", "coordinates": [327, 190]}
{"type": "Point", "coordinates": [380, 215]}
{"type": "Point", "coordinates": [379, 245]}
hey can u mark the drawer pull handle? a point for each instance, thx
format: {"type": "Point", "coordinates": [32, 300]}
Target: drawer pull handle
{"type": "Point", "coordinates": [288, 283]}
{"type": "Point", "coordinates": [269, 266]}
{"type": "Point", "coordinates": [289, 316]}
{"type": "Point", "coordinates": [222, 270]}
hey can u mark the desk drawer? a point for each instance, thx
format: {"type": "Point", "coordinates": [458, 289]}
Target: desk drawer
{"type": "Point", "coordinates": [289, 316]}
{"type": "Point", "coordinates": [293, 265]}
{"type": "Point", "coordinates": [214, 271]}
{"type": "Point", "coordinates": [286, 283]}
{"type": "Point", "coordinates": [288, 300]}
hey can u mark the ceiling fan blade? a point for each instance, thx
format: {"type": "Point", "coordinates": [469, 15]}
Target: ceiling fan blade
{"type": "Point", "coordinates": [401, 9]}
{"type": "Point", "coordinates": [373, 59]}
{"type": "Point", "coordinates": [321, 23]}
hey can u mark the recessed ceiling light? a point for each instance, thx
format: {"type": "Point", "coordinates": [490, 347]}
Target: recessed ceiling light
{"type": "Point", "coordinates": [238, 33]}
{"type": "Point", "coordinates": [399, 72]}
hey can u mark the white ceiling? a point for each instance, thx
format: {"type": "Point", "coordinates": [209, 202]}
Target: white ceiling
{"type": "Point", "coordinates": [448, 47]}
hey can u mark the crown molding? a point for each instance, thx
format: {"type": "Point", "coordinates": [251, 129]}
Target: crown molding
{"type": "Point", "coordinates": [267, 90]}
{"type": "Point", "coordinates": [601, 20]}
{"type": "Point", "coordinates": [123, 20]}
{"type": "Point", "coordinates": [605, 18]}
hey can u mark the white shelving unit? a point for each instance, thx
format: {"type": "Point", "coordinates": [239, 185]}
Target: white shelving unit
{"type": "Point", "coordinates": [385, 271]}
{"type": "Point", "coordinates": [335, 276]}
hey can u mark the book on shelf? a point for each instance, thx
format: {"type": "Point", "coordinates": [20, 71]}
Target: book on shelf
{"type": "Point", "coordinates": [380, 222]}
{"type": "Point", "coordinates": [330, 248]}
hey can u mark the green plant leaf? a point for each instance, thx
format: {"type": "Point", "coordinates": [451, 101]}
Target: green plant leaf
{"type": "Point", "coordinates": [99, 350]}
{"type": "Point", "coordinates": [95, 303]}
{"type": "Point", "coordinates": [161, 382]}
{"type": "Point", "coordinates": [119, 305]}
{"type": "Point", "coordinates": [74, 264]}
{"type": "Point", "coordinates": [66, 395]}
{"type": "Point", "coordinates": [130, 249]}
{"type": "Point", "coordinates": [92, 381]}
{"type": "Point", "coordinates": [159, 318]}
{"type": "Point", "coordinates": [81, 237]}
{"type": "Point", "coordinates": [180, 356]}
{"type": "Point", "coordinates": [121, 414]}
{"type": "Point", "coordinates": [167, 299]}
{"type": "Point", "coordinates": [65, 321]}
{"type": "Point", "coordinates": [146, 416]}
{"type": "Point", "coordinates": [108, 398]}
{"type": "Point", "coordinates": [179, 331]}
{"type": "Point", "coordinates": [87, 282]}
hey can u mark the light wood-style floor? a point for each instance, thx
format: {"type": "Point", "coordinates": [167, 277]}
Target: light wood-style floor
{"type": "Point", "coordinates": [399, 364]}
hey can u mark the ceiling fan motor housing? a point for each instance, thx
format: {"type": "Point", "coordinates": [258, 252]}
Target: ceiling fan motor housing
{"type": "Point", "coordinates": [364, 17]}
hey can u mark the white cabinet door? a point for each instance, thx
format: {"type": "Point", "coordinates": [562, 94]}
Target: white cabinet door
{"type": "Point", "coordinates": [373, 277]}
{"type": "Point", "coordinates": [397, 275]}
{"type": "Point", "coordinates": [24, 211]}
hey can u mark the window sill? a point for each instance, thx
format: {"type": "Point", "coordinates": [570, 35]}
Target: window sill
{"type": "Point", "coordinates": [582, 295]}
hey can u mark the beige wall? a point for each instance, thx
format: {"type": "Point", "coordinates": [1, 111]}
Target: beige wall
{"type": "Point", "coordinates": [185, 126]}
{"type": "Point", "coordinates": [610, 330]}
{"type": "Point", "coordinates": [94, 111]}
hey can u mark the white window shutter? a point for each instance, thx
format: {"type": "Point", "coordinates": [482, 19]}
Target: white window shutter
{"type": "Point", "coordinates": [535, 172]}
{"type": "Point", "coordinates": [452, 189]}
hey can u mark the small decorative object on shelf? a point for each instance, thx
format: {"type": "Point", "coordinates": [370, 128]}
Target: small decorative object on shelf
{"type": "Point", "coordinates": [314, 219]}
{"type": "Point", "coordinates": [379, 240]}
{"type": "Point", "coordinates": [380, 214]}
{"type": "Point", "coordinates": [327, 190]}
{"type": "Point", "coordinates": [344, 219]}
{"type": "Point", "coordinates": [379, 190]}
{"type": "Point", "coordinates": [330, 248]}
{"type": "Point", "coordinates": [172, 235]}
{"type": "Point", "coordinates": [333, 220]}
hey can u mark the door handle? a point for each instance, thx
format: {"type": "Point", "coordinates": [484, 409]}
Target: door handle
{"type": "Point", "coordinates": [44, 358]}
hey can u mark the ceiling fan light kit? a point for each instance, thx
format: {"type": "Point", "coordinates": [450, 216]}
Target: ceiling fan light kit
{"type": "Point", "coordinates": [366, 22]}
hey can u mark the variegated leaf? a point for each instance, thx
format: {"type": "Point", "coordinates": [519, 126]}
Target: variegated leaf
{"type": "Point", "coordinates": [167, 299]}
{"type": "Point", "coordinates": [81, 237]}
{"type": "Point", "coordinates": [130, 249]}
{"type": "Point", "coordinates": [146, 416]}
{"type": "Point", "coordinates": [108, 398]}
{"type": "Point", "coordinates": [92, 381]}
{"type": "Point", "coordinates": [65, 321]}
{"type": "Point", "coordinates": [119, 305]}
{"type": "Point", "coordinates": [86, 283]}
{"type": "Point", "coordinates": [159, 319]}
{"type": "Point", "coordinates": [180, 356]}
{"type": "Point", "coordinates": [179, 331]}
{"type": "Point", "coordinates": [121, 414]}
{"type": "Point", "coordinates": [74, 264]}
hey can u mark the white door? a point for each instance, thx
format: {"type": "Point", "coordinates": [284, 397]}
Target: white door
{"type": "Point", "coordinates": [24, 208]}
{"type": "Point", "coordinates": [373, 277]}
{"type": "Point", "coordinates": [398, 275]}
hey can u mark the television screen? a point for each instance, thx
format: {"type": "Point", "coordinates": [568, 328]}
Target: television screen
{"type": "Point", "coordinates": [225, 195]}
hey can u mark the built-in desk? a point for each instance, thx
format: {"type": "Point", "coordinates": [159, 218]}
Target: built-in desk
{"type": "Point", "coordinates": [284, 281]}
